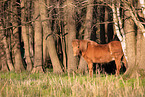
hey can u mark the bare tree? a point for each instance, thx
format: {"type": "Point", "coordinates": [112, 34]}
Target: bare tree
{"type": "Point", "coordinates": [38, 59]}
{"type": "Point", "coordinates": [4, 38]}
{"type": "Point", "coordinates": [3, 52]}
{"type": "Point", "coordinates": [134, 49]}
{"type": "Point", "coordinates": [50, 41]}
{"type": "Point", "coordinates": [87, 32]}
{"type": "Point", "coordinates": [7, 54]}
{"type": "Point", "coordinates": [142, 36]}
{"type": "Point", "coordinates": [130, 40]}
{"type": "Point", "coordinates": [70, 29]}
{"type": "Point", "coordinates": [25, 36]}
{"type": "Point", "coordinates": [18, 64]}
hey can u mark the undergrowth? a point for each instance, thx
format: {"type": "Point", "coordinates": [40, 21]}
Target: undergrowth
{"type": "Point", "coordinates": [53, 85]}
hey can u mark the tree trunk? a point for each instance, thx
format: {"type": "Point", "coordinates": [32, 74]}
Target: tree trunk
{"type": "Point", "coordinates": [63, 43]}
{"type": "Point", "coordinates": [25, 37]}
{"type": "Point", "coordinates": [87, 35]}
{"type": "Point", "coordinates": [102, 26]}
{"type": "Point", "coordinates": [139, 67]}
{"type": "Point", "coordinates": [8, 58]}
{"type": "Point", "coordinates": [18, 64]}
{"type": "Point", "coordinates": [106, 24]}
{"type": "Point", "coordinates": [50, 41]}
{"type": "Point", "coordinates": [3, 61]}
{"type": "Point", "coordinates": [30, 31]}
{"type": "Point", "coordinates": [98, 22]}
{"type": "Point", "coordinates": [38, 59]}
{"type": "Point", "coordinates": [139, 43]}
{"type": "Point", "coordinates": [3, 53]}
{"type": "Point", "coordinates": [64, 38]}
{"type": "Point", "coordinates": [110, 30]}
{"type": "Point", "coordinates": [6, 46]}
{"type": "Point", "coordinates": [4, 64]}
{"type": "Point", "coordinates": [129, 29]}
{"type": "Point", "coordinates": [141, 40]}
{"type": "Point", "coordinates": [31, 43]}
{"type": "Point", "coordinates": [70, 27]}
{"type": "Point", "coordinates": [118, 26]}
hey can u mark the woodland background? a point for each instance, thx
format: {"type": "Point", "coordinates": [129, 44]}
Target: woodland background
{"type": "Point", "coordinates": [37, 34]}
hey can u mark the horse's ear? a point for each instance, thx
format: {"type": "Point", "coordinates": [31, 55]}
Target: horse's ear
{"type": "Point", "coordinates": [75, 41]}
{"type": "Point", "coordinates": [83, 45]}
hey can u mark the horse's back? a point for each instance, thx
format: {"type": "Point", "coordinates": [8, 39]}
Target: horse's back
{"type": "Point", "coordinates": [115, 47]}
{"type": "Point", "coordinates": [99, 53]}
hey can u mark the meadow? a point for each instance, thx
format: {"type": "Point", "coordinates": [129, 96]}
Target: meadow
{"type": "Point", "coordinates": [48, 84]}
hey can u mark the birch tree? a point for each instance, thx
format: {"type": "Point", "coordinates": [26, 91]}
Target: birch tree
{"type": "Point", "coordinates": [135, 67]}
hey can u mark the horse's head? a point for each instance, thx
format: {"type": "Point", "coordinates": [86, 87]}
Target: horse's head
{"type": "Point", "coordinates": [79, 46]}
{"type": "Point", "coordinates": [76, 46]}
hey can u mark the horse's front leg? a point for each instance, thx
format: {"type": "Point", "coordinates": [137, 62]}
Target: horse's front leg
{"type": "Point", "coordinates": [90, 66]}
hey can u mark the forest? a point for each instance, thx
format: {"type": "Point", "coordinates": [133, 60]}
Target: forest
{"type": "Point", "coordinates": [36, 35]}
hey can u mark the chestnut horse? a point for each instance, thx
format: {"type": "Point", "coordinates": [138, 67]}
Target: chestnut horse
{"type": "Point", "coordinates": [99, 53]}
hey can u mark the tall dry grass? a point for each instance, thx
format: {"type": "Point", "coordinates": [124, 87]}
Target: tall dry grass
{"type": "Point", "coordinates": [52, 85]}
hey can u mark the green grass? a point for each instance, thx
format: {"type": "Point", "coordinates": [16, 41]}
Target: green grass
{"type": "Point", "coordinates": [53, 85]}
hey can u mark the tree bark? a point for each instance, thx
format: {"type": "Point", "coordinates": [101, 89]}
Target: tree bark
{"type": "Point", "coordinates": [129, 29]}
{"type": "Point", "coordinates": [98, 21]}
{"type": "Point", "coordinates": [141, 39]}
{"type": "Point", "coordinates": [25, 37]}
{"type": "Point", "coordinates": [3, 53]}
{"type": "Point", "coordinates": [139, 67]}
{"type": "Point", "coordinates": [38, 59]}
{"type": "Point", "coordinates": [102, 26]}
{"type": "Point", "coordinates": [3, 61]}
{"type": "Point", "coordinates": [70, 28]}
{"type": "Point", "coordinates": [64, 38]}
{"type": "Point", "coordinates": [87, 34]}
{"type": "Point", "coordinates": [5, 43]}
{"type": "Point", "coordinates": [118, 26]}
{"type": "Point", "coordinates": [50, 41]}
{"type": "Point", "coordinates": [18, 64]}
{"type": "Point", "coordinates": [4, 64]}
{"type": "Point", "coordinates": [8, 58]}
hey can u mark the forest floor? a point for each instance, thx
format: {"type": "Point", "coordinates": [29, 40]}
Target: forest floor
{"type": "Point", "coordinates": [48, 84]}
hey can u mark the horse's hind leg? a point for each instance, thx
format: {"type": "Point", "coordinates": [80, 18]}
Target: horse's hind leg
{"type": "Point", "coordinates": [124, 61]}
{"type": "Point", "coordinates": [118, 66]}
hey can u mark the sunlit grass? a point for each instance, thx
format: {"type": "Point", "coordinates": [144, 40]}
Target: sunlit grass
{"type": "Point", "coordinates": [54, 85]}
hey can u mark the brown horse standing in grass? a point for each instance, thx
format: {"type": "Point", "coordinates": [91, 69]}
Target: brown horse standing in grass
{"type": "Point", "coordinates": [99, 53]}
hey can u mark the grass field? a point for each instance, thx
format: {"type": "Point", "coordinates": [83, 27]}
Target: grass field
{"type": "Point", "coordinates": [53, 85]}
